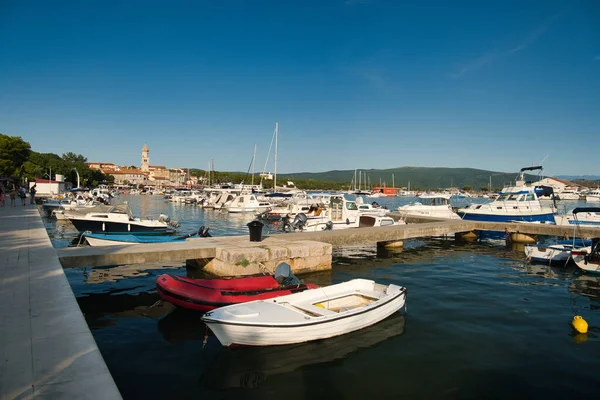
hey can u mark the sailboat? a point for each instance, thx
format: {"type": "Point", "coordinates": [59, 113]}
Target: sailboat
{"type": "Point", "coordinates": [282, 192]}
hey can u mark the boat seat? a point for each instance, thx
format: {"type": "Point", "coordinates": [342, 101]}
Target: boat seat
{"type": "Point", "coordinates": [370, 293]}
{"type": "Point", "coordinates": [312, 309]}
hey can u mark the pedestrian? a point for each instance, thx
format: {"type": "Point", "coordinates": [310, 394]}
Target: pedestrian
{"type": "Point", "coordinates": [22, 195]}
{"type": "Point", "coordinates": [2, 196]}
{"type": "Point", "coordinates": [13, 196]}
{"type": "Point", "coordinates": [32, 193]}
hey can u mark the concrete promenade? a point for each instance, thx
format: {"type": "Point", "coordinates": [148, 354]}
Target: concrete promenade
{"type": "Point", "coordinates": [47, 349]}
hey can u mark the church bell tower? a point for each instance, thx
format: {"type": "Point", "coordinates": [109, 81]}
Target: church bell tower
{"type": "Point", "coordinates": [145, 158]}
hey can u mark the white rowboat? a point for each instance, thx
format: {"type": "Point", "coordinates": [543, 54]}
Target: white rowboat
{"type": "Point", "coordinates": [310, 315]}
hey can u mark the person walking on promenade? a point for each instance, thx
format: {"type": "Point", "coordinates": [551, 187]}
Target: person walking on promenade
{"type": "Point", "coordinates": [2, 196]}
{"type": "Point", "coordinates": [13, 196]}
{"type": "Point", "coordinates": [22, 195]}
{"type": "Point", "coordinates": [32, 193]}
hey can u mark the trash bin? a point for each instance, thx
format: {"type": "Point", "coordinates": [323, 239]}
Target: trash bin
{"type": "Point", "coordinates": [255, 228]}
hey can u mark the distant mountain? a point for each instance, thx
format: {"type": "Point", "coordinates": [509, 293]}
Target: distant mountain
{"type": "Point", "coordinates": [579, 177]}
{"type": "Point", "coordinates": [418, 177]}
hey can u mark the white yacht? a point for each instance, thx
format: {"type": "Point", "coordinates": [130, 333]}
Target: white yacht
{"type": "Point", "coordinates": [119, 219]}
{"type": "Point", "coordinates": [248, 203]}
{"type": "Point", "coordinates": [342, 214]}
{"type": "Point", "coordinates": [429, 205]}
{"type": "Point", "coordinates": [593, 196]}
{"type": "Point", "coordinates": [515, 203]}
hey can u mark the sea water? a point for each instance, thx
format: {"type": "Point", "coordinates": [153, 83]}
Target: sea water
{"type": "Point", "coordinates": [481, 323]}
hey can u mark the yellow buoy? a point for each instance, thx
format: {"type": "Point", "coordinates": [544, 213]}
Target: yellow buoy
{"type": "Point", "coordinates": [579, 324]}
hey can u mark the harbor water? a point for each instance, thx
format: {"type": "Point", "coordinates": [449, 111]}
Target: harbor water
{"type": "Point", "coordinates": [481, 322]}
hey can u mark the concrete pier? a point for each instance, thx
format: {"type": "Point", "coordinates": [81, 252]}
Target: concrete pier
{"type": "Point", "coordinates": [47, 349]}
{"type": "Point", "coordinates": [207, 248]}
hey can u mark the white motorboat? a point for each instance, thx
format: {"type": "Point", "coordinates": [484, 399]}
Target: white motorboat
{"type": "Point", "coordinates": [583, 216]}
{"type": "Point", "coordinates": [370, 209]}
{"type": "Point", "coordinates": [518, 203]}
{"type": "Point", "coordinates": [429, 205]}
{"type": "Point", "coordinates": [120, 219]}
{"type": "Point", "coordinates": [555, 253]}
{"type": "Point", "coordinates": [310, 315]}
{"type": "Point", "coordinates": [248, 203]}
{"type": "Point", "coordinates": [593, 196]}
{"type": "Point", "coordinates": [569, 193]}
{"type": "Point", "coordinates": [342, 214]}
{"type": "Point", "coordinates": [588, 258]}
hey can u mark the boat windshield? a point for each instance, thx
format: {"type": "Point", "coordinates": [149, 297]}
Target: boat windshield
{"type": "Point", "coordinates": [121, 209]}
{"type": "Point", "coordinates": [435, 201]}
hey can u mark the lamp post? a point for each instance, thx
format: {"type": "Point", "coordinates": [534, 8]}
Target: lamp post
{"type": "Point", "coordinates": [75, 169]}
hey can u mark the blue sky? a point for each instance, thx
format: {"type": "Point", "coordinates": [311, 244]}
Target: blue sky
{"type": "Point", "coordinates": [353, 83]}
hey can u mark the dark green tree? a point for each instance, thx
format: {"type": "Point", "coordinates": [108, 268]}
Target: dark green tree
{"type": "Point", "coordinates": [13, 153]}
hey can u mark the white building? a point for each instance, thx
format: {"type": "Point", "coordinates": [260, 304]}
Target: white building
{"type": "Point", "coordinates": [50, 187]}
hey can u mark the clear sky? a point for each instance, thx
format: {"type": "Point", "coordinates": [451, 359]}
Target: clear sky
{"type": "Point", "coordinates": [353, 83]}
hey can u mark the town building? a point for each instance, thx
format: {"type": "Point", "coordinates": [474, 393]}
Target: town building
{"type": "Point", "coordinates": [158, 176]}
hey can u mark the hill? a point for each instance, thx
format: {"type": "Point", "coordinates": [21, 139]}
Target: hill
{"type": "Point", "coordinates": [419, 177]}
{"type": "Point", "coordinates": [579, 177]}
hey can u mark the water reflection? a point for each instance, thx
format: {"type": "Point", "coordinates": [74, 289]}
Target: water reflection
{"type": "Point", "coordinates": [251, 367]}
{"type": "Point", "coordinates": [588, 286]}
{"type": "Point", "coordinates": [181, 326]}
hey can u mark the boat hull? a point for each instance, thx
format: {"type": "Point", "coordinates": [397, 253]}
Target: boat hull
{"type": "Point", "coordinates": [83, 225]}
{"type": "Point", "coordinates": [207, 294]}
{"type": "Point", "coordinates": [100, 239]}
{"type": "Point", "coordinates": [585, 262]}
{"type": "Point", "coordinates": [549, 255]}
{"type": "Point", "coordinates": [267, 335]}
{"type": "Point", "coordinates": [547, 218]}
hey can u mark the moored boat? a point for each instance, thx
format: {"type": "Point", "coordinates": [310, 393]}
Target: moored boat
{"type": "Point", "coordinates": [555, 253]}
{"type": "Point", "coordinates": [588, 258]}
{"type": "Point", "coordinates": [518, 203]}
{"type": "Point", "coordinates": [208, 294]}
{"type": "Point", "coordinates": [311, 315]}
{"type": "Point", "coordinates": [120, 219]}
{"type": "Point", "coordinates": [429, 205]}
{"type": "Point", "coordinates": [115, 239]}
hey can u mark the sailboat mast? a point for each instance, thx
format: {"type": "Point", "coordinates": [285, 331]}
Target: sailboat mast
{"type": "Point", "coordinates": [275, 168]}
{"type": "Point", "coordinates": [253, 160]}
{"type": "Point", "coordinates": [393, 184]}
{"type": "Point", "coordinates": [359, 179]}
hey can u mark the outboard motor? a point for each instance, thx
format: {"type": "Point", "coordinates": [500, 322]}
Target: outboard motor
{"type": "Point", "coordinates": [299, 221]}
{"type": "Point", "coordinates": [203, 232]}
{"type": "Point", "coordinates": [283, 275]}
{"type": "Point", "coordinates": [329, 226]}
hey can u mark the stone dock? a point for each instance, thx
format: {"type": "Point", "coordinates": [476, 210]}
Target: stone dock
{"type": "Point", "coordinates": [305, 251]}
{"type": "Point", "coordinates": [48, 351]}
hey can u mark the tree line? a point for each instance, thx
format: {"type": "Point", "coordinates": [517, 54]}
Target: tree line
{"type": "Point", "coordinates": [20, 163]}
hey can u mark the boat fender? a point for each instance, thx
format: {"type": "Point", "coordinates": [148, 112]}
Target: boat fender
{"type": "Point", "coordinates": [579, 324]}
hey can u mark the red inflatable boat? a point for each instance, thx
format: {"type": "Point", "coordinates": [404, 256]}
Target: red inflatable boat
{"type": "Point", "coordinates": [208, 294]}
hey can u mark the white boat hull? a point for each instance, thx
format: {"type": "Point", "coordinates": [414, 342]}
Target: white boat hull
{"type": "Point", "coordinates": [246, 331]}
{"type": "Point", "coordinates": [581, 258]}
{"type": "Point", "coordinates": [550, 254]}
